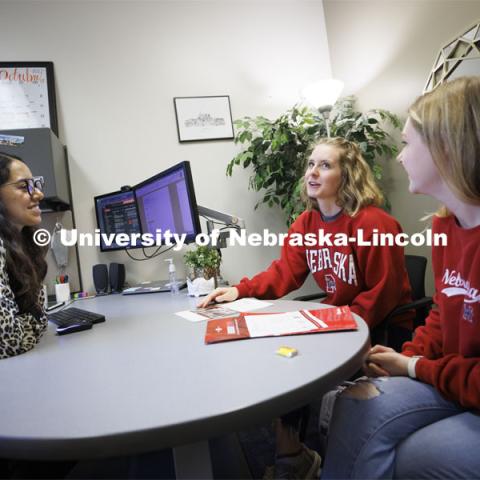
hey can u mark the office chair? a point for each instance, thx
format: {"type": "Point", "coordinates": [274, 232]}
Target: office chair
{"type": "Point", "coordinates": [312, 296]}
{"type": "Point", "coordinates": [385, 333]}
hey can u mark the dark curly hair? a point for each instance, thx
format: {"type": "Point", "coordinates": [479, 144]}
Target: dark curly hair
{"type": "Point", "coordinates": [25, 260]}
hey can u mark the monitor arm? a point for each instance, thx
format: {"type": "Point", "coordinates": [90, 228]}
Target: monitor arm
{"type": "Point", "coordinates": [230, 221]}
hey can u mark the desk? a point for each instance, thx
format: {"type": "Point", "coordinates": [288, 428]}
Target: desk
{"type": "Point", "coordinates": [144, 380]}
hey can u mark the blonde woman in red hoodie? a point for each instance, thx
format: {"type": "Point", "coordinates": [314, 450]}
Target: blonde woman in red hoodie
{"type": "Point", "coordinates": [342, 199]}
{"type": "Point", "coordinates": [421, 419]}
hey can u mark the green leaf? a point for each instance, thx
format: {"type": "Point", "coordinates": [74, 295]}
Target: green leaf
{"type": "Point", "coordinates": [274, 150]}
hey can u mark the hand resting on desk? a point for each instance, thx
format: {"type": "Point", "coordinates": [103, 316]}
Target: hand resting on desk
{"type": "Point", "coordinates": [225, 294]}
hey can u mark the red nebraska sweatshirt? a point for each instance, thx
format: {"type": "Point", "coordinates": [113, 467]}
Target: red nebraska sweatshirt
{"type": "Point", "coordinates": [450, 340]}
{"type": "Point", "coordinates": [372, 280]}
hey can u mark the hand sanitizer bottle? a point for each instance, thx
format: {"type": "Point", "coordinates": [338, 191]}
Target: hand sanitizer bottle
{"type": "Point", "coordinates": [172, 278]}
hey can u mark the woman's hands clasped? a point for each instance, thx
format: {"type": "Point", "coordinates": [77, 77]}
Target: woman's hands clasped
{"type": "Point", "coordinates": [225, 294]}
{"type": "Point", "coordinates": [385, 362]}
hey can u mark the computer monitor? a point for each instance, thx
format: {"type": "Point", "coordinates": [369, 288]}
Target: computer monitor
{"type": "Point", "coordinates": [167, 202]}
{"type": "Point", "coordinates": [117, 213]}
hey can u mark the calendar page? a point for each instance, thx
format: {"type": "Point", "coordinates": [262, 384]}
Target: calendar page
{"type": "Point", "coordinates": [24, 98]}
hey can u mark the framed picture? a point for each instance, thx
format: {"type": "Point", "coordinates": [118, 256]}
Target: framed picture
{"type": "Point", "coordinates": [203, 118]}
{"type": "Point", "coordinates": [27, 96]}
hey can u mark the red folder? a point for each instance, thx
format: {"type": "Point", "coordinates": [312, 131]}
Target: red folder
{"type": "Point", "coordinates": [330, 319]}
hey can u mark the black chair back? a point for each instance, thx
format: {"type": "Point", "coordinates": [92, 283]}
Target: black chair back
{"type": "Point", "coordinates": [416, 267]}
{"type": "Point", "coordinates": [395, 336]}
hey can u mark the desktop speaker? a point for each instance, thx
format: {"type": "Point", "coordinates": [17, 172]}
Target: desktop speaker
{"type": "Point", "coordinates": [100, 278]}
{"type": "Point", "coordinates": [117, 276]}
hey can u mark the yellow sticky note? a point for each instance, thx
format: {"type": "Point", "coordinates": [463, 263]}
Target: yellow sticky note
{"type": "Point", "coordinates": [288, 352]}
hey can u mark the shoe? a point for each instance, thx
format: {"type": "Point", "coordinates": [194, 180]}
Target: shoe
{"type": "Point", "coordinates": [304, 465]}
{"type": "Point", "coordinates": [269, 472]}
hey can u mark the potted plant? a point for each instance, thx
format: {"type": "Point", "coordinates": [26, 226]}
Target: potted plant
{"type": "Point", "coordinates": [276, 148]}
{"type": "Point", "coordinates": [203, 265]}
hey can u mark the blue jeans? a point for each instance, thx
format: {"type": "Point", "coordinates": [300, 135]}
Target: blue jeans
{"type": "Point", "coordinates": [407, 431]}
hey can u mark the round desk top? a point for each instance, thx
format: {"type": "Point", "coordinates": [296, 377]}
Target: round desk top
{"type": "Point", "coordinates": [145, 379]}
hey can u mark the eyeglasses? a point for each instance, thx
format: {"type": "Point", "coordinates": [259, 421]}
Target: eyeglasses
{"type": "Point", "coordinates": [31, 184]}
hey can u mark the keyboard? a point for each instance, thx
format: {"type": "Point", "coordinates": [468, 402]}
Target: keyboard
{"type": "Point", "coordinates": [74, 320]}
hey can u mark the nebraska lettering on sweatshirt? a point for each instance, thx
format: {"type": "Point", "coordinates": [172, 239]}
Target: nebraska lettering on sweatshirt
{"type": "Point", "coordinates": [372, 280]}
{"type": "Point", "coordinates": [450, 339]}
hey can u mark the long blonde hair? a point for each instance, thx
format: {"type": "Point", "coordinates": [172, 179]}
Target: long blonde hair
{"type": "Point", "coordinates": [357, 188]}
{"type": "Point", "coordinates": [448, 120]}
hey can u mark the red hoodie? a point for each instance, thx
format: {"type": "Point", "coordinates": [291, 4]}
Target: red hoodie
{"type": "Point", "coordinates": [372, 280]}
{"type": "Point", "coordinates": [450, 340]}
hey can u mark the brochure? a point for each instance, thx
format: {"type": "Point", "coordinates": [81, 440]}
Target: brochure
{"type": "Point", "coordinates": [254, 325]}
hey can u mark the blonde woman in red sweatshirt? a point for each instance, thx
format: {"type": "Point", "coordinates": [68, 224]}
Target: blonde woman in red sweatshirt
{"type": "Point", "coordinates": [421, 418]}
{"type": "Point", "coordinates": [342, 199]}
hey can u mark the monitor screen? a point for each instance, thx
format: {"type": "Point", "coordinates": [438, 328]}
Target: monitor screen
{"type": "Point", "coordinates": [116, 213]}
{"type": "Point", "coordinates": [167, 202]}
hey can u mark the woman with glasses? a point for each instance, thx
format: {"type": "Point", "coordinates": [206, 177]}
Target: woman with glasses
{"type": "Point", "coordinates": [22, 261]}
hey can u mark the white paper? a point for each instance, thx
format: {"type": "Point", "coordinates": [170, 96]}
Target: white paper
{"type": "Point", "coordinates": [24, 98]}
{"type": "Point", "coordinates": [209, 313]}
{"type": "Point", "coordinates": [191, 316]}
{"type": "Point", "coordinates": [278, 324]}
{"type": "Point", "coordinates": [248, 304]}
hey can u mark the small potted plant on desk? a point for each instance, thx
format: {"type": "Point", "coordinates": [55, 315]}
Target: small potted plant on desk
{"type": "Point", "coordinates": [203, 265]}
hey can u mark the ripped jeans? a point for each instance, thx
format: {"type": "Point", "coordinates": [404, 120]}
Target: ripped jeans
{"type": "Point", "coordinates": [401, 428]}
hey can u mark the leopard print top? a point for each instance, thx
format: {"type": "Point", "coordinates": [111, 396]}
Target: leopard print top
{"type": "Point", "coordinates": [18, 332]}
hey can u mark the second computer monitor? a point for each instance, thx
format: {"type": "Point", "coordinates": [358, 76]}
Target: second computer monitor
{"type": "Point", "coordinates": [166, 202]}
{"type": "Point", "coordinates": [117, 213]}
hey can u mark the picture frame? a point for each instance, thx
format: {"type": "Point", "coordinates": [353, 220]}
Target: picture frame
{"type": "Point", "coordinates": [27, 96]}
{"type": "Point", "coordinates": [203, 118]}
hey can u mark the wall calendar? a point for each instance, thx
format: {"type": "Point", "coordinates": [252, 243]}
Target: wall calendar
{"type": "Point", "coordinates": [27, 96]}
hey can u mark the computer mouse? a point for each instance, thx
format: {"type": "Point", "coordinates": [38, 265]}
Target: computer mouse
{"type": "Point", "coordinates": [74, 327]}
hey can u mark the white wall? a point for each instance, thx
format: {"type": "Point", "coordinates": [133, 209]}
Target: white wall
{"type": "Point", "coordinates": [384, 50]}
{"type": "Point", "coordinates": [118, 65]}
